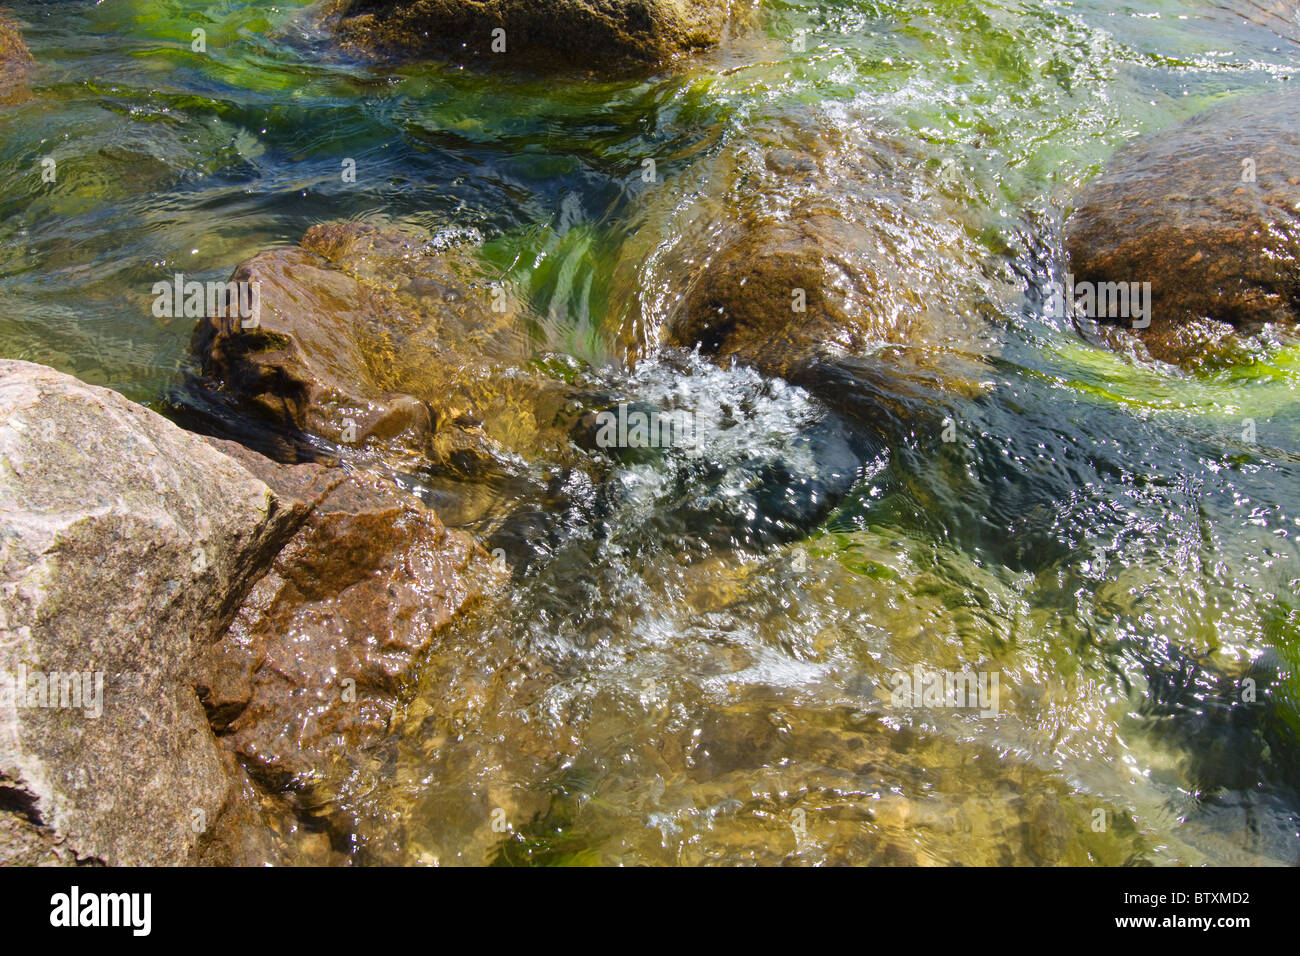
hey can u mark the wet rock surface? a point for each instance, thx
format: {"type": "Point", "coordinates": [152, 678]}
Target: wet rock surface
{"type": "Point", "coordinates": [127, 547]}
{"type": "Point", "coordinates": [305, 684]}
{"type": "Point", "coordinates": [819, 244]}
{"type": "Point", "coordinates": [362, 325]}
{"type": "Point", "coordinates": [571, 33]}
{"type": "Point", "coordinates": [1209, 214]}
{"type": "Point", "coordinates": [15, 62]}
{"type": "Point", "coordinates": [1276, 15]}
{"type": "Point", "coordinates": [191, 630]}
{"type": "Point", "coordinates": [383, 342]}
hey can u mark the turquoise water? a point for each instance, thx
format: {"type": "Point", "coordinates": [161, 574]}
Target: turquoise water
{"type": "Point", "coordinates": [1100, 524]}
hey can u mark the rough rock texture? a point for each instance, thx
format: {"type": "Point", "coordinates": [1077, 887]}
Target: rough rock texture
{"type": "Point", "coordinates": [15, 62]}
{"type": "Point", "coordinates": [818, 243]}
{"type": "Point", "coordinates": [579, 33]}
{"type": "Point", "coordinates": [126, 545]}
{"type": "Point", "coordinates": [1280, 16]}
{"type": "Point", "coordinates": [293, 603]}
{"type": "Point", "coordinates": [1222, 254]}
{"type": "Point", "coordinates": [384, 342]}
{"type": "Point", "coordinates": [306, 683]}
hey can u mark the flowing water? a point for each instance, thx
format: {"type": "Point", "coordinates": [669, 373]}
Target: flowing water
{"type": "Point", "coordinates": [696, 660]}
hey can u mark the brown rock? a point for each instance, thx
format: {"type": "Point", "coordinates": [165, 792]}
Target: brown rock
{"type": "Point", "coordinates": [570, 33]}
{"type": "Point", "coordinates": [15, 62]}
{"type": "Point", "coordinates": [385, 342]}
{"type": "Point", "coordinates": [819, 244]}
{"type": "Point", "coordinates": [306, 682]}
{"type": "Point", "coordinates": [1222, 254]}
{"type": "Point", "coordinates": [305, 365]}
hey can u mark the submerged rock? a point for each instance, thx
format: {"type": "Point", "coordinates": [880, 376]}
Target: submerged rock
{"type": "Point", "coordinates": [1209, 214]}
{"type": "Point", "coordinates": [821, 244]}
{"type": "Point", "coordinates": [15, 62]}
{"type": "Point", "coordinates": [126, 546]}
{"type": "Point", "coordinates": [769, 781]}
{"type": "Point", "coordinates": [384, 342]}
{"type": "Point", "coordinates": [573, 33]}
{"type": "Point", "coordinates": [1276, 15]}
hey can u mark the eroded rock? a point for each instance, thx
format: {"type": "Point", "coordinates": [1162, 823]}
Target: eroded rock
{"type": "Point", "coordinates": [1209, 214]}
{"type": "Point", "coordinates": [571, 33]}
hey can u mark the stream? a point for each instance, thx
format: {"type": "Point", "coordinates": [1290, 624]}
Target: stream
{"type": "Point", "coordinates": [698, 656]}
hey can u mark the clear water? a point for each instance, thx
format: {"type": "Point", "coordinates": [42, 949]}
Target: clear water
{"type": "Point", "coordinates": [1102, 535]}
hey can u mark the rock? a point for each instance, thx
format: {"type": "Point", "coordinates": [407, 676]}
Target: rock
{"type": "Point", "coordinates": [571, 33]}
{"type": "Point", "coordinates": [126, 546]}
{"type": "Point", "coordinates": [821, 243]}
{"type": "Point", "coordinates": [773, 783]}
{"type": "Point", "coordinates": [155, 588]}
{"type": "Point", "coordinates": [15, 63]}
{"type": "Point", "coordinates": [1178, 210]}
{"type": "Point", "coordinates": [383, 342]}
{"type": "Point", "coordinates": [24, 843]}
{"type": "Point", "coordinates": [1279, 16]}
{"type": "Point", "coordinates": [759, 501]}
{"type": "Point", "coordinates": [305, 685]}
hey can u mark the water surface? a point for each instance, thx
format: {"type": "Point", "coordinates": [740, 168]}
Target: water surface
{"type": "Point", "coordinates": [1116, 541]}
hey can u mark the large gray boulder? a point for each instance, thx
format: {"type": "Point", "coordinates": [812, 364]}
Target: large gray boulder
{"type": "Point", "coordinates": [126, 545]}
